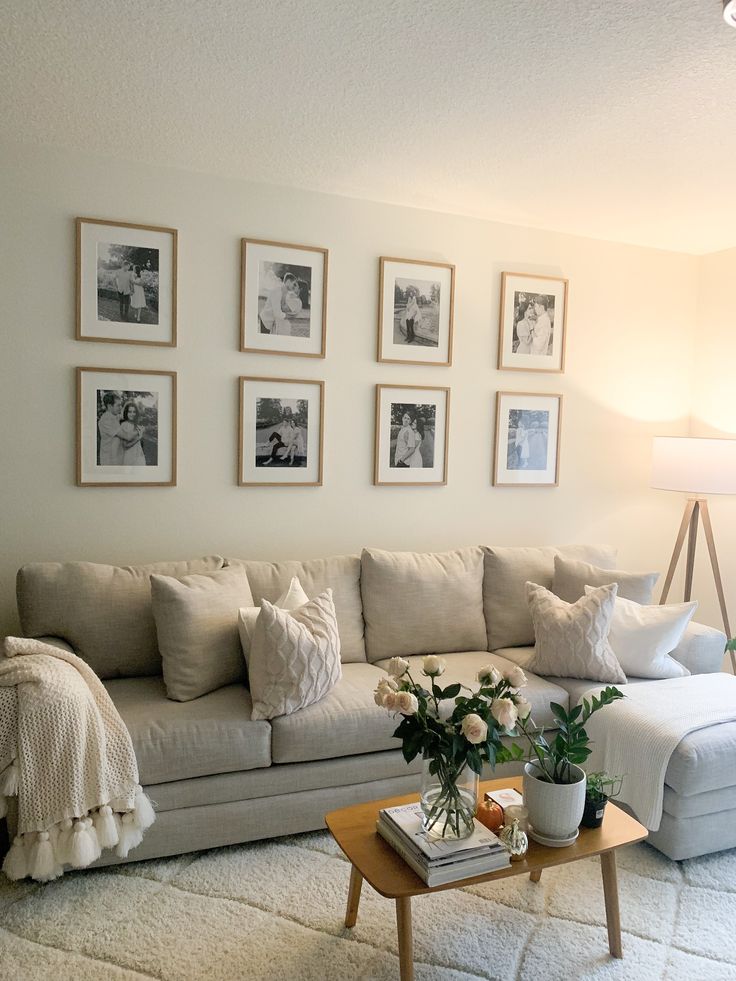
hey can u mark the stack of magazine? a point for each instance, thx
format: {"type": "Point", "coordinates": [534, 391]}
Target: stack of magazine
{"type": "Point", "coordinates": [438, 860]}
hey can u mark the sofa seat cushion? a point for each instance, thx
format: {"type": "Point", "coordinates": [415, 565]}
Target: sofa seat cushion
{"type": "Point", "coordinates": [704, 761]}
{"type": "Point", "coordinates": [508, 620]}
{"type": "Point", "coordinates": [464, 667]}
{"type": "Point", "coordinates": [180, 740]}
{"type": "Point", "coordinates": [340, 573]}
{"type": "Point", "coordinates": [422, 602]}
{"type": "Point", "coordinates": [345, 722]}
{"type": "Point", "coordinates": [103, 611]}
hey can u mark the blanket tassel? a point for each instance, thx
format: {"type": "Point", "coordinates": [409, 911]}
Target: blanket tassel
{"type": "Point", "coordinates": [15, 865]}
{"type": "Point", "coordinates": [42, 864]}
{"type": "Point", "coordinates": [84, 848]}
{"type": "Point", "coordinates": [143, 810]}
{"type": "Point", "coordinates": [9, 781]}
{"type": "Point", "coordinates": [106, 827]}
{"type": "Point", "coordinates": [130, 835]}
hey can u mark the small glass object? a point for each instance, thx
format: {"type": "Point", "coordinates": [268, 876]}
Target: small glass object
{"type": "Point", "coordinates": [514, 841]}
{"type": "Point", "coordinates": [517, 812]}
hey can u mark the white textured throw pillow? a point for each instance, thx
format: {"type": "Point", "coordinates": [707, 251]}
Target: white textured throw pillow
{"type": "Point", "coordinates": [643, 636]}
{"type": "Point", "coordinates": [572, 638]}
{"type": "Point", "coordinates": [294, 656]}
{"type": "Point", "coordinates": [291, 599]}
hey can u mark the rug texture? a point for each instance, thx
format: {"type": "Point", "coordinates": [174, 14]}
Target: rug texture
{"type": "Point", "coordinates": [274, 910]}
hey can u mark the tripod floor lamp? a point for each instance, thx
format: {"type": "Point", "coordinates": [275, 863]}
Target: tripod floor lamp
{"type": "Point", "coordinates": [696, 466]}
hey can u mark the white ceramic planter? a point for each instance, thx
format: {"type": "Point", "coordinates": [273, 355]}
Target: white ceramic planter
{"type": "Point", "coordinates": [555, 809]}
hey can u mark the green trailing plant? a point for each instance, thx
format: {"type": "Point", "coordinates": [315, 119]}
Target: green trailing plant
{"type": "Point", "coordinates": [600, 787]}
{"type": "Point", "coordinates": [571, 743]}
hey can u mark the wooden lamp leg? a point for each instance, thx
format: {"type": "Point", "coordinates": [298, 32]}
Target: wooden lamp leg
{"type": "Point", "coordinates": [708, 529]}
{"type": "Point", "coordinates": [679, 542]}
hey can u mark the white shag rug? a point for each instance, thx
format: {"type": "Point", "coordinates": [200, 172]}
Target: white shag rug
{"type": "Point", "coordinates": [274, 910]}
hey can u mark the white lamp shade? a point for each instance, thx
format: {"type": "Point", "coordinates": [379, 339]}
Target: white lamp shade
{"type": "Point", "coordinates": [693, 464]}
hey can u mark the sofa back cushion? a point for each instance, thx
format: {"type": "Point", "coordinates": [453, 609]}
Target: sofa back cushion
{"type": "Point", "coordinates": [340, 573]}
{"type": "Point", "coordinates": [507, 569]}
{"type": "Point", "coordinates": [197, 626]}
{"type": "Point", "coordinates": [422, 602]}
{"type": "Point", "coordinates": [103, 611]}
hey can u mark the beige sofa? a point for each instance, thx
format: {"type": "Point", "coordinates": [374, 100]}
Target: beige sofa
{"type": "Point", "coordinates": [216, 776]}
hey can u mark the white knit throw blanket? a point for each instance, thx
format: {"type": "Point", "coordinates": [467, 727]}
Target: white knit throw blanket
{"type": "Point", "coordinates": [636, 736]}
{"type": "Point", "coordinates": [67, 755]}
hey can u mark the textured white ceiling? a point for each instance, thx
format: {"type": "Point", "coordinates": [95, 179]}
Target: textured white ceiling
{"type": "Point", "coordinates": [610, 119]}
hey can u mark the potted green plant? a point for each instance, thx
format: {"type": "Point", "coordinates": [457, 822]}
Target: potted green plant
{"type": "Point", "coordinates": [599, 789]}
{"type": "Point", "coordinates": [554, 783]}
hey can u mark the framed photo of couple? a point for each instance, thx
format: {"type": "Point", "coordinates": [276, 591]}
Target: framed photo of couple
{"type": "Point", "coordinates": [126, 282]}
{"type": "Point", "coordinates": [283, 299]}
{"type": "Point", "coordinates": [416, 302]}
{"type": "Point", "coordinates": [281, 432]}
{"type": "Point", "coordinates": [531, 335]}
{"type": "Point", "coordinates": [411, 435]}
{"type": "Point", "coordinates": [126, 428]}
{"type": "Point", "coordinates": [527, 440]}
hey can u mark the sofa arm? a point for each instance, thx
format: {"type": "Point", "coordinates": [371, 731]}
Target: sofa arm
{"type": "Point", "coordinates": [701, 649]}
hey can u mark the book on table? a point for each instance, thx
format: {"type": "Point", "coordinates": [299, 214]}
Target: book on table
{"type": "Point", "coordinates": [437, 860]}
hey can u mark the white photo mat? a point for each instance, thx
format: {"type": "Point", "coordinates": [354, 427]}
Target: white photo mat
{"type": "Point", "coordinates": [252, 389]}
{"type": "Point", "coordinates": [527, 472]}
{"type": "Point", "coordinates": [513, 283]}
{"type": "Point", "coordinates": [388, 350]}
{"type": "Point", "coordinates": [253, 253]}
{"type": "Point", "coordinates": [92, 233]}
{"type": "Point", "coordinates": [386, 396]}
{"type": "Point", "coordinates": [92, 380]}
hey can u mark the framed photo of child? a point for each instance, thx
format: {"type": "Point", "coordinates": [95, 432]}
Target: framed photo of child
{"type": "Point", "coordinates": [126, 282]}
{"type": "Point", "coordinates": [533, 322]}
{"type": "Point", "coordinates": [283, 299]}
{"type": "Point", "coordinates": [412, 427]}
{"type": "Point", "coordinates": [528, 427]}
{"type": "Point", "coordinates": [416, 301]}
{"type": "Point", "coordinates": [280, 432]}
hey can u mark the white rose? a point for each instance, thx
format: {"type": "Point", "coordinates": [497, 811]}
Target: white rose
{"type": "Point", "coordinates": [474, 728]}
{"type": "Point", "coordinates": [391, 701]}
{"type": "Point", "coordinates": [516, 677]}
{"type": "Point", "coordinates": [385, 685]}
{"type": "Point", "coordinates": [504, 712]}
{"type": "Point", "coordinates": [523, 707]}
{"type": "Point", "coordinates": [407, 703]}
{"type": "Point", "coordinates": [397, 667]}
{"type": "Point", "coordinates": [433, 665]}
{"type": "Point", "coordinates": [490, 674]}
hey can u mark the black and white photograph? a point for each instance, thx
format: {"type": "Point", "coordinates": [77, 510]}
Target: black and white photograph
{"type": "Point", "coordinates": [126, 427]}
{"type": "Point", "coordinates": [415, 311]}
{"type": "Point", "coordinates": [280, 432]}
{"type": "Point", "coordinates": [283, 298]}
{"type": "Point", "coordinates": [527, 439]}
{"type": "Point", "coordinates": [126, 283]}
{"type": "Point", "coordinates": [282, 427]}
{"type": "Point", "coordinates": [411, 435]}
{"type": "Point", "coordinates": [532, 328]}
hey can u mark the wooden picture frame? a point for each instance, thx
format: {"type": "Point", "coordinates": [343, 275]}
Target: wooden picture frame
{"type": "Point", "coordinates": [283, 298]}
{"type": "Point", "coordinates": [532, 323]}
{"type": "Point", "coordinates": [427, 337]}
{"type": "Point", "coordinates": [144, 444]}
{"type": "Point", "coordinates": [126, 282]}
{"type": "Point", "coordinates": [517, 457]}
{"type": "Point", "coordinates": [295, 457]}
{"type": "Point", "coordinates": [400, 458]}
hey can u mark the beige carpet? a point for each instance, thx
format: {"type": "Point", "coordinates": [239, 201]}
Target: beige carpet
{"type": "Point", "coordinates": [274, 910]}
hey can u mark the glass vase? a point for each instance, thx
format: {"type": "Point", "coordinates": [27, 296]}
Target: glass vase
{"type": "Point", "coordinates": [449, 798]}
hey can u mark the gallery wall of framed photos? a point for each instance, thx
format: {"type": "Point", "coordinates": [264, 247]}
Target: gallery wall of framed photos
{"type": "Point", "coordinates": [613, 382]}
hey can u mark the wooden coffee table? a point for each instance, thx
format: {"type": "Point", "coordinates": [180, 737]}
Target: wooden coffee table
{"type": "Point", "coordinates": [354, 829]}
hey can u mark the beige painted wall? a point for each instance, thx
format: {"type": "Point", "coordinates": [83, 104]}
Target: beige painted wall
{"type": "Point", "coordinates": [714, 414]}
{"type": "Point", "coordinates": [630, 343]}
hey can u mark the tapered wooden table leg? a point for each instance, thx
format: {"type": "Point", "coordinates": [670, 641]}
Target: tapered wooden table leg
{"type": "Point", "coordinates": [610, 894]}
{"type": "Point", "coordinates": [535, 875]}
{"type": "Point", "coordinates": [406, 946]}
{"type": "Point", "coordinates": [356, 883]}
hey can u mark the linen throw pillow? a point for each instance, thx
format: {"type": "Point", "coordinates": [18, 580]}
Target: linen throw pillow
{"type": "Point", "coordinates": [572, 638]}
{"type": "Point", "coordinates": [294, 656]}
{"type": "Point", "coordinates": [572, 576]}
{"type": "Point", "coordinates": [642, 637]}
{"type": "Point", "coordinates": [197, 625]}
{"type": "Point", "coordinates": [291, 599]}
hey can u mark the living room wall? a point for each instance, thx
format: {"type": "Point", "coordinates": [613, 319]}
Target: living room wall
{"type": "Point", "coordinates": [630, 343]}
